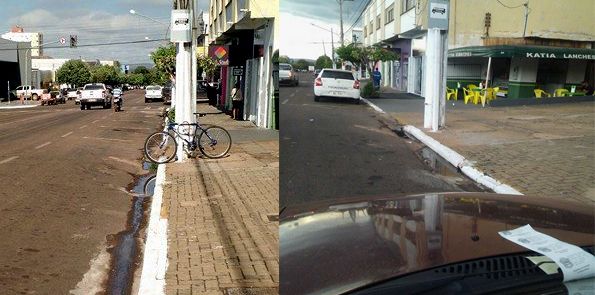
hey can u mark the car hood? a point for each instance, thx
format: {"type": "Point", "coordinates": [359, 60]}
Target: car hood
{"type": "Point", "coordinates": [333, 247]}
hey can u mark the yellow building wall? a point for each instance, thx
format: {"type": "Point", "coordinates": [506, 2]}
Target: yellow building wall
{"type": "Point", "coordinates": [548, 19]}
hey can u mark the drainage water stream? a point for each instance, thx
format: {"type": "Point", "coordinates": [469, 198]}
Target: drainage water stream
{"type": "Point", "coordinates": [126, 250]}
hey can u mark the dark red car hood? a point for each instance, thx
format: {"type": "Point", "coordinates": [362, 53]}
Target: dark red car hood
{"type": "Point", "coordinates": [334, 247]}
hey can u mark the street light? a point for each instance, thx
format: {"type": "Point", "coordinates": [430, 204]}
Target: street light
{"type": "Point", "coordinates": [132, 11]}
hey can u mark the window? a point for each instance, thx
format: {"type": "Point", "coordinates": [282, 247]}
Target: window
{"type": "Point", "coordinates": [378, 22]}
{"type": "Point", "coordinates": [390, 15]}
{"type": "Point", "coordinates": [371, 28]}
{"type": "Point", "coordinates": [407, 5]}
{"type": "Point", "coordinates": [337, 75]}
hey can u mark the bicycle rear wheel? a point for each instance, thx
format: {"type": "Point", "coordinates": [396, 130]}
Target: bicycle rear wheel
{"type": "Point", "coordinates": [214, 142]}
{"type": "Point", "coordinates": [160, 147]}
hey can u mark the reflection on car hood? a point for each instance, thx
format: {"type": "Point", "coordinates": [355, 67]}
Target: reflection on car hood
{"type": "Point", "coordinates": [334, 247]}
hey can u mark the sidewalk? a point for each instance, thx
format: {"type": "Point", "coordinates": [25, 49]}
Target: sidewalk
{"type": "Point", "coordinates": [16, 104]}
{"type": "Point", "coordinates": [538, 150]}
{"type": "Point", "coordinates": [222, 214]}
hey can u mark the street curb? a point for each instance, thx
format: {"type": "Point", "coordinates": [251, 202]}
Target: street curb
{"type": "Point", "coordinates": [454, 158]}
{"type": "Point", "coordinates": [19, 107]}
{"type": "Point", "coordinates": [152, 281]}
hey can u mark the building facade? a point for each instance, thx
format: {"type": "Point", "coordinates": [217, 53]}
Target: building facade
{"type": "Point", "coordinates": [246, 30]}
{"type": "Point", "coordinates": [17, 34]}
{"type": "Point", "coordinates": [524, 46]}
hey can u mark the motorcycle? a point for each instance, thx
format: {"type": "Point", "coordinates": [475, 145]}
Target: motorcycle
{"type": "Point", "coordinates": [117, 104]}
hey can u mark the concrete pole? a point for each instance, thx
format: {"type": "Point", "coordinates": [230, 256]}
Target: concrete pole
{"type": "Point", "coordinates": [341, 17]}
{"type": "Point", "coordinates": [183, 90]}
{"type": "Point", "coordinates": [194, 63]}
{"type": "Point", "coordinates": [333, 48]}
{"type": "Point", "coordinates": [434, 69]}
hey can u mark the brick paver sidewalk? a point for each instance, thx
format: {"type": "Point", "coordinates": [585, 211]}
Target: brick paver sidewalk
{"type": "Point", "coordinates": [223, 234]}
{"type": "Point", "coordinates": [538, 150]}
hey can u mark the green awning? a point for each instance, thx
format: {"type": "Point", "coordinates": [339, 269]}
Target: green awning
{"type": "Point", "coordinates": [523, 51]}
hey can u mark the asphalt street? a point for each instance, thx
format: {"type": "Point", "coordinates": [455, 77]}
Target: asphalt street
{"type": "Point", "coordinates": [65, 176]}
{"type": "Point", "coordinates": [335, 149]}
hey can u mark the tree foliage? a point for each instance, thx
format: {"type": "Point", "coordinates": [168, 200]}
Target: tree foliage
{"type": "Point", "coordinates": [283, 59]}
{"type": "Point", "coordinates": [323, 61]}
{"type": "Point", "coordinates": [367, 56]}
{"type": "Point", "coordinates": [105, 74]}
{"type": "Point", "coordinates": [74, 72]}
{"type": "Point", "coordinates": [164, 58]}
{"type": "Point", "coordinates": [301, 64]}
{"type": "Point", "coordinates": [207, 65]}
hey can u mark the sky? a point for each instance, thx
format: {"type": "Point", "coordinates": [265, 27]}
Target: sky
{"type": "Point", "coordinates": [93, 22]}
{"type": "Point", "coordinates": [300, 39]}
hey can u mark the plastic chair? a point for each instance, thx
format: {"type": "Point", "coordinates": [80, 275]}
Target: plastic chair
{"type": "Point", "coordinates": [560, 92]}
{"type": "Point", "coordinates": [539, 93]}
{"type": "Point", "coordinates": [471, 86]}
{"type": "Point", "coordinates": [494, 93]}
{"type": "Point", "coordinates": [452, 93]}
{"type": "Point", "coordinates": [469, 95]}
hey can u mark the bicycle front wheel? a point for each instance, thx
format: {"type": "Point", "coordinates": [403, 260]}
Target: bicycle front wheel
{"type": "Point", "coordinates": [160, 147]}
{"type": "Point", "coordinates": [214, 142]}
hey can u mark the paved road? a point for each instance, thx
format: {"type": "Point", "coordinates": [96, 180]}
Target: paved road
{"type": "Point", "coordinates": [337, 149]}
{"type": "Point", "coordinates": [64, 177]}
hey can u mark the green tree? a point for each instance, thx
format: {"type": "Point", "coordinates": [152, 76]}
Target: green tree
{"type": "Point", "coordinates": [301, 64]}
{"type": "Point", "coordinates": [104, 74]}
{"type": "Point", "coordinates": [207, 65]}
{"type": "Point", "coordinates": [367, 56]}
{"type": "Point", "coordinates": [323, 61]}
{"type": "Point", "coordinates": [137, 79]}
{"type": "Point", "coordinates": [141, 70]}
{"type": "Point", "coordinates": [283, 59]}
{"type": "Point", "coordinates": [164, 58]}
{"type": "Point", "coordinates": [74, 72]}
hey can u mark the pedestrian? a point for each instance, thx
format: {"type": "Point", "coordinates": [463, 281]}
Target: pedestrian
{"type": "Point", "coordinates": [237, 101]}
{"type": "Point", "coordinates": [376, 77]}
{"type": "Point", "coordinates": [585, 87]}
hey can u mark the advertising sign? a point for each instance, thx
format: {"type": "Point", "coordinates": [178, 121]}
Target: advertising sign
{"type": "Point", "coordinates": [181, 26]}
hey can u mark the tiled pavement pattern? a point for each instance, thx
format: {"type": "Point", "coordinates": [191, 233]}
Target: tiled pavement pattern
{"type": "Point", "coordinates": [538, 150]}
{"type": "Point", "coordinates": [223, 235]}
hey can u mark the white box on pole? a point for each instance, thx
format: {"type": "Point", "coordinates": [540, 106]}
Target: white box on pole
{"type": "Point", "coordinates": [181, 26]}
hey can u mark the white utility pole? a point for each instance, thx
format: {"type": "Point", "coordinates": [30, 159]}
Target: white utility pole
{"type": "Point", "coordinates": [181, 34]}
{"type": "Point", "coordinates": [435, 64]}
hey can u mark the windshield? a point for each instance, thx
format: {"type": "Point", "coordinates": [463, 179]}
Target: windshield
{"type": "Point", "coordinates": [285, 67]}
{"type": "Point", "coordinates": [93, 87]}
{"type": "Point", "coordinates": [337, 75]}
{"type": "Point", "coordinates": [153, 88]}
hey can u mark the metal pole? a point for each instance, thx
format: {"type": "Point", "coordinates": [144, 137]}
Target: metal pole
{"type": "Point", "coordinates": [333, 48]}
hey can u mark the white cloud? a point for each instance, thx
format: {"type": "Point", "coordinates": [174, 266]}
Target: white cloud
{"type": "Point", "coordinates": [300, 39]}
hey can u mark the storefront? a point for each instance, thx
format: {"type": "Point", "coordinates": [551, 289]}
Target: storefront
{"type": "Point", "coordinates": [520, 69]}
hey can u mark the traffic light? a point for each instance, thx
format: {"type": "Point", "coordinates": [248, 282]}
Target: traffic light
{"type": "Point", "coordinates": [73, 40]}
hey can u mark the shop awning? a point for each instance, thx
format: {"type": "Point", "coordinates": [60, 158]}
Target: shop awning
{"type": "Point", "coordinates": [523, 51]}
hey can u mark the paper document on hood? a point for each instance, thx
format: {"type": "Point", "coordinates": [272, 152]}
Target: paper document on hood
{"type": "Point", "coordinates": [574, 262]}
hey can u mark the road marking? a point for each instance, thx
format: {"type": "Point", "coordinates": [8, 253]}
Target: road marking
{"type": "Point", "coordinates": [147, 108]}
{"type": "Point", "coordinates": [42, 145]}
{"type": "Point", "coordinates": [292, 95]}
{"type": "Point", "coordinates": [103, 138]}
{"type": "Point", "coordinates": [285, 101]}
{"type": "Point", "coordinates": [9, 159]}
{"type": "Point", "coordinates": [84, 126]}
{"type": "Point", "coordinates": [94, 121]}
{"type": "Point", "coordinates": [67, 134]}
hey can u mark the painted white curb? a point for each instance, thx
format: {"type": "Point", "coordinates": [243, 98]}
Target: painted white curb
{"type": "Point", "coordinates": [152, 281]}
{"type": "Point", "coordinates": [454, 158]}
{"type": "Point", "coordinates": [459, 161]}
{"type": "Point", "coordinates": [18, 107]}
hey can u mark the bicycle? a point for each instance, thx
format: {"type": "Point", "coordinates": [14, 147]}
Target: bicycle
{"type": "Point", "coordinates": [213, 141]}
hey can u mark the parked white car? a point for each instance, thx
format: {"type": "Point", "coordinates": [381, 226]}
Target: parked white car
{"type": "Point", "coordinates": [153, 92]}
{"type": "Point", "coordinates": [336, 83]}
{"type": "Point", "coordinates": [28, 92]}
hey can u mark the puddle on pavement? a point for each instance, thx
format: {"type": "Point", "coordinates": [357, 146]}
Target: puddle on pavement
{"type": "Point", "coordinates": [442, 167]}
{"type": "Point", "coordinates": [437, 163]}
{"type": "Point", "coordinates": [125, 253]}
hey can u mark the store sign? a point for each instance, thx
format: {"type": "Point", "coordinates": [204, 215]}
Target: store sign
{"type": "Point", "coordinates": [563, 56]}
{"type": "Point", "coordinates": [238, 71]}
{"type": "Point", "coordinates": [220, 53]}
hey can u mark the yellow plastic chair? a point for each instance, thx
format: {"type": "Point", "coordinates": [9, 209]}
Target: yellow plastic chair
{"type": "Point", "coordinates": [561, 92]}
{"type": "Point", "coordinates": [471, 86]}
{"type": "Point", "coordinates": [469, 95]}
{"type": "Point", "coordinates": [481, 96]}
{"type": "Point", "coordinates": [540, 93]}
{"type": "Point", "coordinates": [452, 93]}
{"type": "Point", "coordinates": [494, 93]}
